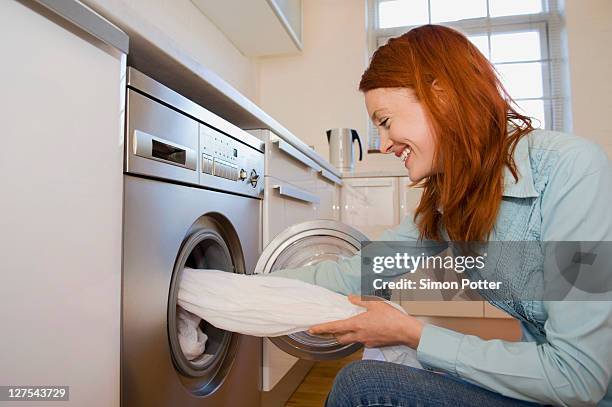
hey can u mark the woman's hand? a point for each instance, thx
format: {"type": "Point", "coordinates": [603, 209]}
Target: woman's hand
{"type": "Point", "coordinates": [380, 325]}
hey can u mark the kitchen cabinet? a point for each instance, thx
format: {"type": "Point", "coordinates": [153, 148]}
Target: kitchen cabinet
{"type": "Point", "coordinates": [328, 190]}
{"type": "Point", "coordinates": [371, 205]}
{"type": "Point", "coordinates": [258, 27]}
{"type": "Point", "coordinates": [61, 206]}
{"type": "Point", "coordinates": [409, 197]}
{"type": "Point", "coordinates": [290, 185]}
{"type": "Point", "coordinates": [296, 189]}
{"type": "Point", "coordinates": [287, 205]}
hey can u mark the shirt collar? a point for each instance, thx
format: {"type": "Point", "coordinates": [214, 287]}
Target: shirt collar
{"type": "Point", "coordinates": [523, 188]}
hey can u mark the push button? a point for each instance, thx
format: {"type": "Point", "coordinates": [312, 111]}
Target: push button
{"type": "Point", "coordinates": [217, 168]}
{"type": "Point", "coordinates": [207, 164]}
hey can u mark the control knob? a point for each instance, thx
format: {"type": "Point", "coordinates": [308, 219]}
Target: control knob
{"type": "Point", "coordinates": [243, 174]}
{"type": "Point", "coordinates": [254, 178]}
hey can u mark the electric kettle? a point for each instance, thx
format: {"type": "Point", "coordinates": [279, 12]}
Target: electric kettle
{"type": "Point", "coordinates": [341, 153]}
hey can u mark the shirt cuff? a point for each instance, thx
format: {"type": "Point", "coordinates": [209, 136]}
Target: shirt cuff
{"type": "Point", "coordinates": [438, 348]}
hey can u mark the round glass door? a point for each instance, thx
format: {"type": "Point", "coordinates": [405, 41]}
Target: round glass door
{"type": "Point", "coordinates": [209, 245]}
{"type": "Point", "coordinates": [307, 244]}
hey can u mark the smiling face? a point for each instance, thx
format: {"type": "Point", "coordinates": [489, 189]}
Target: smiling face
{"type": "Point", "coordinates": [404, 129]}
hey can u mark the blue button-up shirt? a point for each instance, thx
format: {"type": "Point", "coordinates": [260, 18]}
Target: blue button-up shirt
{"type": "Point", "coordinates": [564, 193]}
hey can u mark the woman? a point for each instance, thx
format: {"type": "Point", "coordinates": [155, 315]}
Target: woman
{"type": "Point", "coordinates": [486, 175]}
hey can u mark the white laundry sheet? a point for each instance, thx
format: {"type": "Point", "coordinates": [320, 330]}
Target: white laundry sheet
{"type": "Point", "coordinates": [192, 339]}
{"type": "Point", "coordinates": [263, 306]}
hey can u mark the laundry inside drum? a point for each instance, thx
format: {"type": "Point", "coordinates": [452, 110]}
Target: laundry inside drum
{"type": "Point", "coordinates": [192, 338]}
{"type": "Point", "coordinates": [198, 347]}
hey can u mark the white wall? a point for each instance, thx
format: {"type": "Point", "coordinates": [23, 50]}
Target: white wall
{"type": "Point", "coordinates": [189, 30]}
{"type": "Point", "coordinates": [589, 32]}
{"type": "Point", "coordinates": [317, 90]}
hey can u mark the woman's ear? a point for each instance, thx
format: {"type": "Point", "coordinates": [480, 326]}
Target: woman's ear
{"type": "Point", "coordinates": [435, 86]}
{"type": "Point", "coordinates": [439, 93]}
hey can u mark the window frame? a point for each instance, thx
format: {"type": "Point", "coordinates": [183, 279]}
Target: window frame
{"type": "Point", "coordinates": [547, 23]}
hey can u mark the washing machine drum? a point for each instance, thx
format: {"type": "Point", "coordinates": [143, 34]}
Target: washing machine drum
{"type": "Point", "coordinates": [207, 246]}
{"type": "Point", "coordinates": [306, 244]}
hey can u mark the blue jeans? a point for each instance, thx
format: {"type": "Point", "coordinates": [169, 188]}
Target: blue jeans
{"type": "Point", "coordinates": [369, 383]}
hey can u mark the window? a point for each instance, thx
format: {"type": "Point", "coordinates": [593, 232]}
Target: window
{"type": "Point", "coordinates": [520, 37]}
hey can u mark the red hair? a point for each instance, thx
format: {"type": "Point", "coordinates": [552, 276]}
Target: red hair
{"type": "Point", "coordinates": [469, 111]}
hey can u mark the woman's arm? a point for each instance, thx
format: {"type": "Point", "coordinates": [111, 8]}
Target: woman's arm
{"type": "Point", "coordinates": [345, 276]}
{"type": "Point", "coordinates": [574, 365]}
{"type": "Point", "coordinates": [572, 368]}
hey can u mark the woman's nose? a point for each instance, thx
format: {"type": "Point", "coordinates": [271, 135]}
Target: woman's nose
{"type": "Point", "coordinates": [386, 144]}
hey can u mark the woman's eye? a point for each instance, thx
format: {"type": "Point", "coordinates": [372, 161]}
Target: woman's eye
{"type": "Point", "coordinates": [384, 123]}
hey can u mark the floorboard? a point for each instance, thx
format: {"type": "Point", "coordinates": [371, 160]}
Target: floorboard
{"type": "Point", "coordinates": [317, 384]}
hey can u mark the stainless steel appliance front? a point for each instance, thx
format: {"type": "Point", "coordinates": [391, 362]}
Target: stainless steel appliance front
{"type": "Point", "coordinates": [172, 138]}
{"type": "Point", "coordinates": [168, 226]}
{"type": "Point", "coordinates": [179, 211]}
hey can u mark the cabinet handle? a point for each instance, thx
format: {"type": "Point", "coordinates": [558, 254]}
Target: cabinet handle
{"type": "Point", "coordinates": [296, 154]}
{"type": "Point", "coordinates": [297, 193]}
{"type": "Point", "coordinates": [371, 183]}
{"type": "Point", "coordinates": [326, 174]}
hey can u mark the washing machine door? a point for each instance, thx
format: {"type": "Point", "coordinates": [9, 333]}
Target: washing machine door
{"type": "Point", "coordinates": [306, 244]}
{"type": "Point", "coordinates": [211, 243]}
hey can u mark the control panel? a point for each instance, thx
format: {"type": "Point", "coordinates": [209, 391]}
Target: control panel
{"type": "Point", "coordinates": [229, 162]}
{"type": "Point", "coordinates": [187, 143]}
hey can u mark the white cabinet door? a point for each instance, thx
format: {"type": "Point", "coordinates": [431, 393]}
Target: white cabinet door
{"type": "Point", "coordinates": [257, 28]}
{"type": "Point", "coordinates": [409, 197]}
{"type": "Point", "coordinates": [337, 206]}
{"type": "Point", "coordinates": [285, 204]}
{"type": "Point", "coordinates": [61, 207]}
{"type": "Point", "coordinates": [370, 204]}
{"type": "Point", "coordinates": [329, 194]}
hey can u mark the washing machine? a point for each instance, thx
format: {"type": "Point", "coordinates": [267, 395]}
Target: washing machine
{"type": "Point", "coordinates": [192, 198]}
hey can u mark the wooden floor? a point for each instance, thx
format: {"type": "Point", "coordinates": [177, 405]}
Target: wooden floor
{"type": "Point", "coordinates": [313, 390]}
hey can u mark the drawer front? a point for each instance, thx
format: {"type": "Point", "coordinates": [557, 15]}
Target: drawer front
{"type": "Point", "coordinates": [283, 161]}
{"type": "Point", "coordinates": [286, 204]}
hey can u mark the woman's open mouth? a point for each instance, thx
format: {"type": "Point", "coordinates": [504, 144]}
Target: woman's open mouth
{"type": "Point", "coordinates": [405, 153]}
